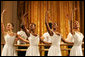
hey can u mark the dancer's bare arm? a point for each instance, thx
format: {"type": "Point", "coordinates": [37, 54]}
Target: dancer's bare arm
{"type": "Point", "coordinates": [2, 24]}
{"type": "Point", "coordinates": [70, 18]}
{"type": "Point", "coordinates": [65, 41]}
{"type": "Point", "coordinates": [42, 40]}
{"type": "Point", "coordinates": [47, 26]}
{"type": "Point", "coordinates": [24, 27]}
{"type": "Point", "coordinates": [19, 37]}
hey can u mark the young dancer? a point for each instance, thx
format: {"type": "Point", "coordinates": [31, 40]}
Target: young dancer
{"type": "Point", "coordinates": [78, 38]}
{"type": "Point", "coordinates": [33, 38]}
{"type": "Point", "coordinates": [46, 37]}
{"type": "Point", "coordinates": [69, 36]}
{"type": "Point", "coordinates": [9, 37]}
{"type": "Point", "coordinates": [23, 35]}
{"type": "Point", "coordinates": [56, 38]}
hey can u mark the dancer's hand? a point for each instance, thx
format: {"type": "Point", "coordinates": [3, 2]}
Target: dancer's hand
{"type": "Point", "coordinates": [3, 11]}
{"type": "Point", "coordinates": [48, 11]}
{"type": "Point", "coordinates": [67, 16]}
{"type": "Point", "coordinates": [25, 14]}
{"type": "Point", "coordinates": [48, 14]}
{"type": "Point", "coordinates": [75, 9]}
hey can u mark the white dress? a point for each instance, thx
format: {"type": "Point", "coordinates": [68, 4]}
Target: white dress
{"type": "Point", "coordinates": [55, 50]}
{"type": "Point", "coordinates": [9, 49]}
{"type": "Point", "coordinates": [77, 47]}
{"type": "Point", "coordinates": [33, 49]}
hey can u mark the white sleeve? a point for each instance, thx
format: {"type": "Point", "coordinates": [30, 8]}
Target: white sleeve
{"type": "Point", "coordinates": [69, 38]}
{"type": "Point", "coordinates": [45, 36]}
{"type": "Point", "coordinates": [25, 36]}
{"type": "Point", "coordinates": [18, 42]}
{"type": "Point", "coordinates": [18, 33]}
{"type": "Point", "coordinates": [72, 39]}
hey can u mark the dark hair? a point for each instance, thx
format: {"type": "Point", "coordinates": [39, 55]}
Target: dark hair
{"type": "Point", "coordinates": [50, 25]}
{"type": "Point", "coordinates": [33, 24]}
{"type": "Point", "coordinates": [21, 25]}
{"type": "Point", "coordinates": [12, 24]}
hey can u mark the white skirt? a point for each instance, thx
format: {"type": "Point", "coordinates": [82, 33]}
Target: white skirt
{"type": "Point", "coordinates": [33, 51]}
{"type": "Point", "coordinates": [76, 51]}
{"type": "Point", "coordinates": [54, 51]}
{"type": "Point", "coordinates": [8, 50]}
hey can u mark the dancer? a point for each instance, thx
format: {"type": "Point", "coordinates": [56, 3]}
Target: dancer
{"type": "Point", "coordinates": [56, 38]}
{"type": "Point", "coordinates": [69, 36]}
{"type": "Point", "coordinates": [78, 38]}
{"type": "Point", "coordinates": [23, 35]}
{"type": "Point", "coordinates": [33, 38]}
{"type": "Point", "coordinates": [33, 49]}
{"type": "Point", "coordinates": [46, 37]}
{"type": "Point", "coordinates": [9, 37]}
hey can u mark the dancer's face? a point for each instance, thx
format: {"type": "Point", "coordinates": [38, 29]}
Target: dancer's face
{"type": "Point", "coordinates": [54, 26]}
{"type": "Point", "coordinates": [76, 25]}
{"type": "Point", "coordinates": [9, 26]}
{"type": "Point", "coordinates": [32, 26]}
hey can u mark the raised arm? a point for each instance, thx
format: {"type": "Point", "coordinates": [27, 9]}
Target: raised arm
{"type": "Point", "coordinates": [23, 17]}
{"type": "Point", "coordinates": [26, 30]}
{"type": "Point", "coordinates": [2, 24]}
{"type": "Point", "coordinates": [23, 26]}
{"type": "Point", "coordinates": [47, 26]}
{"type": "Point", "coordinates": [71, 20]}
{"type": "Point", "coordinates": [72, 32]}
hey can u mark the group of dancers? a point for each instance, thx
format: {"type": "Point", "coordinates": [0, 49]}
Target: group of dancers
{"type": "Point", "coordinates": [52, 36]}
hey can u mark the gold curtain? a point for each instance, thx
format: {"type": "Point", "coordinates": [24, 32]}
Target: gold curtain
{"type": "Point", "coordinates": [36, 14]}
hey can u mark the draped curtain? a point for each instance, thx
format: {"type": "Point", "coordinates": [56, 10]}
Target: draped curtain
{"type": "Point", "coordinates": [36, 14]}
